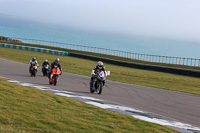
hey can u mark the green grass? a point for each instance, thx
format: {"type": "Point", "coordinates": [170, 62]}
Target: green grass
{"type": "Point", "coordinates": [105, 56]}
{"type": "Point", "coordinates": [26, 109]}
{"type": "Point", "coordinates": [122, 74]}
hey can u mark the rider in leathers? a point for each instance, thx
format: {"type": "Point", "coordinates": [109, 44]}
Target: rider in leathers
{"type": "Point", "coordinates": [45, 63]}
{"type": "Point", "coordinates": [33, 62]}
{"type": "Point", "coordinates": [96, 68]}
{"type": "Point", "coordinates": [56, 62]}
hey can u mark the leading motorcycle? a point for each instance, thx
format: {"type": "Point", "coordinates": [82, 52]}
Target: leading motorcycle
{"type": "Point", "coordinates": [97, 82]}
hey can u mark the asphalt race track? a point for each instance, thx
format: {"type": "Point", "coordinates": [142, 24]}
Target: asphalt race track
{"type": "Point", "coordinates": [182, 107]}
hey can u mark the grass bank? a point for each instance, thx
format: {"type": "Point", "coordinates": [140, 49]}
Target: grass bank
{"type": "Point", "coordinates": [105, 56]}
{"type": "Point", "coordinates": [118, 73]}
{"type": "Point", "coordinates": [26, 109]}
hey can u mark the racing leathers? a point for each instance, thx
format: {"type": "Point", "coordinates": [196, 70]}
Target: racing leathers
{"type": "Point", "coordinates": [32, 63]}
{"type": "Point", "coordinates": [53, 65]}
{"type": "Point", "coordinates": [43, 65]}
{"type": "Point", "coordinates": [96, 68]}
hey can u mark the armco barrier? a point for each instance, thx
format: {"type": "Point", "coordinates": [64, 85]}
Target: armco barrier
{"type": "Point", "coordinates": [36, 49]}
{"type": "Point", "coordinates": [173, 70]}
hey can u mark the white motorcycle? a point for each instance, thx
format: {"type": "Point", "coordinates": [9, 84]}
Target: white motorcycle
{"type": "Point", "coordinates": [96, 85]}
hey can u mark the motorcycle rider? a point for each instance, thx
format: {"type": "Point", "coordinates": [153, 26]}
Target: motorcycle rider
{"type": "Point", "coordinates": [56, 62]}
{"type": "Point", "coordinates": [45, 63]}
{"type": "Point", "coordinates": [33, 62]}
{"type": "Point", "coordinates": [99, 67]}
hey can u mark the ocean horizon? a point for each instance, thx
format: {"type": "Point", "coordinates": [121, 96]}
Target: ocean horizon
{"type": "Point", "coordinates": [12, 27]}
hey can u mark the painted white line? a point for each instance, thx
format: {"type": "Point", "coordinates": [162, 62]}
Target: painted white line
{"type": "Point", "coordinates": [89, 98]}
{"type": "Point", "coordinates": [167, 123]}
{"type": "Point", "coordinates": [61, 94]}
{"type": "Point", "coordinates": [26, 84]}
{"type": "Point", "coordinates": [99, 105]}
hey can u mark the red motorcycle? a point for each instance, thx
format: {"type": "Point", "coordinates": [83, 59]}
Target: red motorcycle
{"type": "Point", "coordinates": [55, 74]}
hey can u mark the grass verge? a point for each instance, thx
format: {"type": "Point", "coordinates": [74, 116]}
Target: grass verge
{"type": "Point", "coordinates": [118, 73]}
{"type": "Point", "coordinates": [26, 109]}
{"type": "Point", "coordinates": [105, 56]}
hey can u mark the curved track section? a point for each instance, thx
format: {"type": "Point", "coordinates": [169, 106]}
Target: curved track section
{"type": "Point", "coordinates": [182, 107]}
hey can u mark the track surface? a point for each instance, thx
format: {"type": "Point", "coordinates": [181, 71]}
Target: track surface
{"type": "Point", "coordinates": [182, 107]}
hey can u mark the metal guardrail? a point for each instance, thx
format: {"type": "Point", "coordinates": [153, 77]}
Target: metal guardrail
{"type": "Point", "coordinates": [137, 56]}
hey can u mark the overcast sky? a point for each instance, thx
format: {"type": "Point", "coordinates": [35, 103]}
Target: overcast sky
{"type": "Point", "coordinates": [176, 19]}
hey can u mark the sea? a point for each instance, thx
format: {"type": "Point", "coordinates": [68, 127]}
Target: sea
{"type": "Point", "coordinates": [18, 28]}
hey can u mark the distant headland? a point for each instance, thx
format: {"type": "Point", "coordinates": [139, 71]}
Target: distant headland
{"type": "Point", "coordinates": [3, 38]}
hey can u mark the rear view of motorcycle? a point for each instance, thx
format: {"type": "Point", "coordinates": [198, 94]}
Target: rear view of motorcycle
{"type": "Point", "coordinates": [98, 80]}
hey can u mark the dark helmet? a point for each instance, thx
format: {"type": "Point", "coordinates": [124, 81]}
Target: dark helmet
{"type": "Point", "coordinates": [57, 60]}
{"type": "Point", "coordinates": [33, 59]}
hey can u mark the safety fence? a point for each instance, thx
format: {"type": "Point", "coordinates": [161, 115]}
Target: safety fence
{"type": "Point", "coordinates": [36, 49]}
{"type": "Point", "coordinates": [136, 56]}
{"type": "Point", "coordinates": [172, 70]}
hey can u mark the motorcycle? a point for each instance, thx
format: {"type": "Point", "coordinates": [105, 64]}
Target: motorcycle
{"type": "Point", "coordinates": [96, 85]}
{"type": "Point", "coordinates": [45, 70]}
{"type": "Point", "coordinates": [33, 71]}
{"type": "Point", "coordinates": [55, 74]}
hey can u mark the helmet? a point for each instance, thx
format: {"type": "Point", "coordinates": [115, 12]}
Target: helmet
{"type": "Point", "coordinates": [45, 60]}
{"type": "Point", "coordinates": [100, 63]}
{"type": "Point", "coordinates": [57, 60]}
{"type": "Point", "coordinates": [33, 59]}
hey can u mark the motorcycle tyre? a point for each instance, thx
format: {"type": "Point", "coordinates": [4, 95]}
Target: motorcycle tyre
{"type": "Point", "coordinates": [99, 89]}
{"type": "Point", "coordinates": [34, 73]}
{"type": "Point", "coordinates": [91, 87]}
{"type": "Point", "coordinates": [50, 82]}
{"type": "Point", "coordinates": [54, 80]}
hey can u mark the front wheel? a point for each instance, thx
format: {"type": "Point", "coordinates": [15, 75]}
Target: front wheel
{"type": "Point", "coordinates": [99, 88]}
{"type": "Point", "coordinates": [50, 82]}
{"type": "Point", "coordinates": [54, 80]}
{"type": "Point", "coordinates": [46, 73]}
{"type": "Point", "coordinates": [34, 73]}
